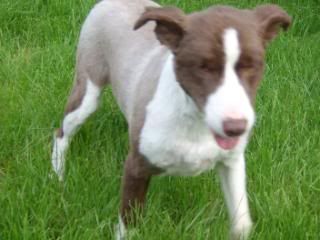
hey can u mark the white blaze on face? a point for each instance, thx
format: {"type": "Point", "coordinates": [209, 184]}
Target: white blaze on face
{"type": "Point", "coordinates": [230, 99]}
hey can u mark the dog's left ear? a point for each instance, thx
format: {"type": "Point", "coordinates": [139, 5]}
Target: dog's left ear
{"type": "Point", "coordinates": [170, 24]}
{"type": "Point", "coordinates": [271, 18]}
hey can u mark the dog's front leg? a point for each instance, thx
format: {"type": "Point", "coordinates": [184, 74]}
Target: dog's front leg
{"type": "Point", "coordinates": [135, 184]}
{"type": "Point", "coordinates": [233, 180]}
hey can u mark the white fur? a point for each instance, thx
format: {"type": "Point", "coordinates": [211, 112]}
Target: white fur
{"type": "Point", "coordinates": [230, 100]}
{"type": "Point", "coordinates": [175, 136]}
{"type": "Point", "coordinates": [233, 179]}
{"type": "Point", "coordinates": [60, 145]}
{"type": "Point", "coordinates": [88, 105]}
{"type": "Point", "coordinates": [120, 230]}
{"type": "Point", "coordinates": [70, 123]}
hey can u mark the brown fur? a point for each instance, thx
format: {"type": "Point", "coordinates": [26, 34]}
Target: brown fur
{"type": "Point", "coordinates": [170, 26]}
{"type": "Point", "coordinates": [271, 19]}
{"type": "Point", "coordinates": [199, 51]}
{"type": "Point", "coordinates": [200, 59]}
{"type": "Point", "coordinates": [135, 182]}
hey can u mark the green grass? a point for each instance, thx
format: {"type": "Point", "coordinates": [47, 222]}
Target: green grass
{"type": "Point", "coordinates": [37, 49]}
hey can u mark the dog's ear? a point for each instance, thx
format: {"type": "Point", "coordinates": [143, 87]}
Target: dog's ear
{"type": "Point", "coordinates": [271, 18]}
{"type": "Point", "coordinates": [170, 24]}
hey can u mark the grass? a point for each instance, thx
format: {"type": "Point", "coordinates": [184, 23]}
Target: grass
{"type": "Point", "coordinates": [37, 51]}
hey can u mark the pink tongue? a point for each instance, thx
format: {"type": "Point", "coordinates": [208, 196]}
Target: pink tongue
{"type": "Point", "coordinates": [226, 143]}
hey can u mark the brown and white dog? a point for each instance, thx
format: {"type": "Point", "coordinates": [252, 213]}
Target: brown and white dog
{"type": "Point", "coordinates": [186, 85]}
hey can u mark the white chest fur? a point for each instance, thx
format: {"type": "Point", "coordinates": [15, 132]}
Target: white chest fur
{"type": "Point", "coordinates": [175, 136]}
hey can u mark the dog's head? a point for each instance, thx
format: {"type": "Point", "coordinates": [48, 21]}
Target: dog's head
{"type": "Point", "coordinates": [219, 60]}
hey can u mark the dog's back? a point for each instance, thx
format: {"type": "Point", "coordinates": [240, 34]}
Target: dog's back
{"type": "Point", "coordinates": [110, 50]}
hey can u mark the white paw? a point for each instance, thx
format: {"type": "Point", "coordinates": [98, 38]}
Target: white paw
{"type": "Point", "coordinates": [58, 161]}
{"type": "Point", "coordinates": [241, 229]}
{"type": "Point", "coordinates": [120, 230]}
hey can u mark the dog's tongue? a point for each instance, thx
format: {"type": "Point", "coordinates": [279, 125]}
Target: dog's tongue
{"type": "Point", "coordinates": [226, 143]}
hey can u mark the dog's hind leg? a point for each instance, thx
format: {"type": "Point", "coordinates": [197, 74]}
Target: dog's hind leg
{"type": "Point", "coordinates": [82, 102]}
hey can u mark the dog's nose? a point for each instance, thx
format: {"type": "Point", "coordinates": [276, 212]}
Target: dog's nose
{"type": "Point", "coordinates": [233, 127]}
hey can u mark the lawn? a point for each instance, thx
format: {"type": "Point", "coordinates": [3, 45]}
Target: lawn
{"type": "Point", "coordinates": [37, 51]}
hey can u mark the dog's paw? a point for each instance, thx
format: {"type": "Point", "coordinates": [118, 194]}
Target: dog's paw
{"type": "Point", "coordinates": [120, 230]}
{"type": "Point", "coordinates": [53, 175]}
{"type": "Point", "coordinates": [241, 230]}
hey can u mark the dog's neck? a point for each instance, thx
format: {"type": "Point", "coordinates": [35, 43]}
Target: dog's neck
{"type": "Point", "coordinates": [175, 125]}
{"type": "Point", "coordinates": [175, 137]}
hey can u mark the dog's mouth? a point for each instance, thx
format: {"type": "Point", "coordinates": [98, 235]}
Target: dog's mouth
{"type": "Point", "coordinates": [226, 143]}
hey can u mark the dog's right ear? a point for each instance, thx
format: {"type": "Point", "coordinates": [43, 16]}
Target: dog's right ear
{"type": "Point", "coordinates": [170, 24]}
{"type": "Point", "coordinates": [271, 17]}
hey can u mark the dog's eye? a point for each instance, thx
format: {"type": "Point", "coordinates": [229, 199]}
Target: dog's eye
{"type": "Point", "coordinates": [210, 68]}
{"type": "Point", "coordinates": [243, 67]}
{"type": "Point", "coordinates": [205, 67]}
{"type": "Point", "coordinates": [247, 64]}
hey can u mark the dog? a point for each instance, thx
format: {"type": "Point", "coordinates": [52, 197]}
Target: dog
{"type": "Point", "coordinates": [186, 85]}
